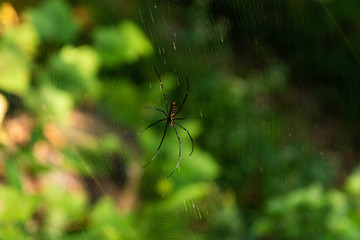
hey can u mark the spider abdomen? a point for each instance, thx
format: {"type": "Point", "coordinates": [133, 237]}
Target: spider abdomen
{"type": "Point", "coordinates": [172, 113]}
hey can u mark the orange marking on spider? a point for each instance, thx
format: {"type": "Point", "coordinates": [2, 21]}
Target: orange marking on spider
{"type": "Point", "coordinates": [170, 119]}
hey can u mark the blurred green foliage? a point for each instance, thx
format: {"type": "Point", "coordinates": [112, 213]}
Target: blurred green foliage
{"type": "Point", "coordinates": [53, 22]}
{"type": "Point", "coordinates": [268, 109]}
{"type": "Point", "coordinates": [125, 43]}
{"type": "Point", "coordinates": [323, 214]}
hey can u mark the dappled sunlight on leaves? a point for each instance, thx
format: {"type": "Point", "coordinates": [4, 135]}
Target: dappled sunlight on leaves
{"type": "Point", "coordinates": [14, 71]}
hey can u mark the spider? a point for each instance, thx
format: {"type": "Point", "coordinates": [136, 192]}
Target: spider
{"type": "Point", "coordinates": [170, 115]}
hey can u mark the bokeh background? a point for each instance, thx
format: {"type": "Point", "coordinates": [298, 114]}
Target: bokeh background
{"type": "Point", "coordinates": [273, 108]}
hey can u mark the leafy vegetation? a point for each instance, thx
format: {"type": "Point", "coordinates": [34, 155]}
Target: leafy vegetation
{"type": "Point", "coordinates": [272, 108]}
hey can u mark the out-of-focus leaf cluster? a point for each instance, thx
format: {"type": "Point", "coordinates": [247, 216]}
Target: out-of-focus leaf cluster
{"type": "Point", "coordinates": [313, 212]}
{"type": "Point", "coordinates": [57, 160]}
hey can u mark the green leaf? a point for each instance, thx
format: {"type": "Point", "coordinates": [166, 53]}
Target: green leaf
{"type": "Point", "coordinates": [15, 207]}
{"type": "Point", "coordinates": [84, 58]}
{"type": "Point", "coordinates": [23, 38]}
{"type": "Point", "coordinates": [110, 223]}
{"type": "Point", "coordinates": [54, 22]}
{"type": "Point", "coordinates": [125, 43]}
{"type": "Point", "coordinates": [50, 103]}
{"type": "Point", "coordinates": [14, 74]}
{"type": "Point", "coordinates": [74, 70]}
{"type": "Point", "coordinates": [352, 184]}
{"type": "Point", "coordinates": [13, 173]}
{"type": "Point", "coordinates": [199, 166]}
{"type": "Point", "coordinates": [63, 207]}
{"type": "Point", "coordinates": [186, 194]}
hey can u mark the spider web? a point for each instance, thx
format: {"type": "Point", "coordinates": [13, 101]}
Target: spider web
{"type": "Point", "coordinates": [272, 118]}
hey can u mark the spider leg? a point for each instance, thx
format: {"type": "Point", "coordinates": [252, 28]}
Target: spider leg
{"type": "Point", "coordinates": [186, 94]}
{"type": "Point", "coordinates": [158, 147]}
{"type": "Point", "coordinates": [162, 88]}
{"type": "Point", "coordinates": [177, 165]}
{"type": "Point", "coordinates": [150, 126]}
{"type": "Point", "coordinates": [157, 110]}
{"type": "Point", "coordinates": [192, 141]}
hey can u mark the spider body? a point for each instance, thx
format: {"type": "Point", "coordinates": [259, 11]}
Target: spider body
{"type": "Point", "coordinates": [170, 117]}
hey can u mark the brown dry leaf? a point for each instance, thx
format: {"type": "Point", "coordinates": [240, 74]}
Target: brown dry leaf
{"type": "Point", "coordinates": [67, 181]}
{"type": "Point", "coordinates": [82, 16]}
{"type": "Point", "coordinates": [46, 154]}
{"type": "Point", "coordinates": [31, 184]}
{"type": "Point", "coordinates": [19, 129]}
{"type": "Point", "coordinates": [64, 180]}
{"type": "Point", "coordinates": [54, 135]}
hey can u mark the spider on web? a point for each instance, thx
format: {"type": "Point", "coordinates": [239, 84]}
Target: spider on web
{"type": "Point", "coordinates": [170, 115]}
